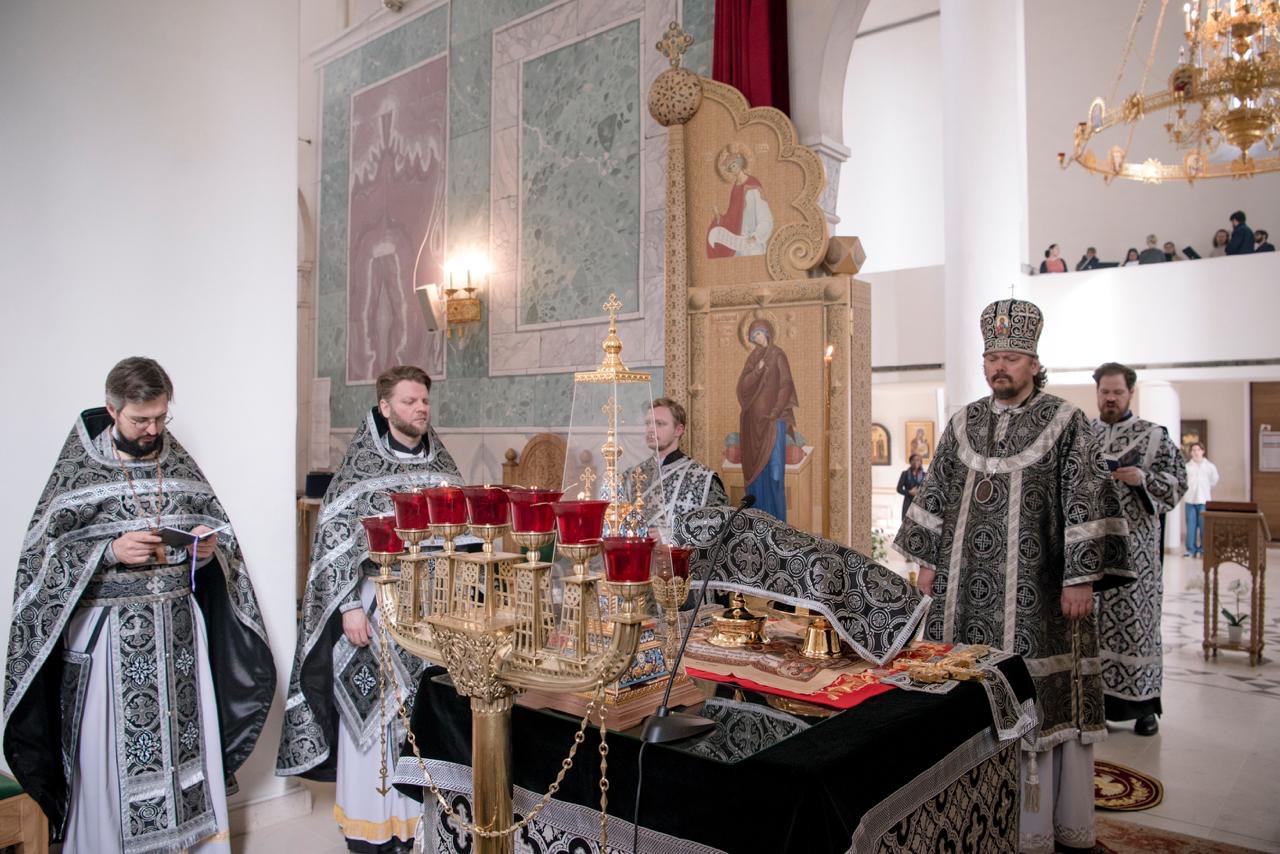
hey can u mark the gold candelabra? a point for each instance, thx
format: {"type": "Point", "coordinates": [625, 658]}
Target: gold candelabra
{"type": "Point", "coordinates": [489, 618]}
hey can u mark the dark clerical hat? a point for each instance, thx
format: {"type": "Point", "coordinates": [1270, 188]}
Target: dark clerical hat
{"type": "Point", "coordinates": [1011, 326]}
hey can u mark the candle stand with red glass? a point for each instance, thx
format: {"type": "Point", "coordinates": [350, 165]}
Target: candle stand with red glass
{"type": "Point", "coordinates": [490, 621]}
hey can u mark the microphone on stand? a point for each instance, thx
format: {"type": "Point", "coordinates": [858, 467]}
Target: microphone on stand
{"type": "Point", "coordinates": [665, 725]}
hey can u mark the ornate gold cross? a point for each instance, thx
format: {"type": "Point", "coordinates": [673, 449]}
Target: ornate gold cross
{"type": "Point", "coordinates": [674, 43]}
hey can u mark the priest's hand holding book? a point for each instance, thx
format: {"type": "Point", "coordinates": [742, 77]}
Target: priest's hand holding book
{"type": "Point", "coordinates": [136, 547]}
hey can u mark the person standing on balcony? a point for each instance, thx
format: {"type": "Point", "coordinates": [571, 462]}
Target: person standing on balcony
{"type": "Point", "coordinates": [1131, 257]}
{"type": "Point", "coordinates": [1202, 477]}
{"type": "Point", "coordinates": [1261, 242]}
{"type": "Point", "coordinates": [1241, 242]}
{"type": "Point", "coordinates": [1220, 239]}
{"type": "Point", "coordinates": [1053, 262]}
{"type": "Point", "coordinates": [1153, 254]}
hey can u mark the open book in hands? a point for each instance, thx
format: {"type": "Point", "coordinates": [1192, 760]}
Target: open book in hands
{"type": "Point", "coordinates": [178, 538]}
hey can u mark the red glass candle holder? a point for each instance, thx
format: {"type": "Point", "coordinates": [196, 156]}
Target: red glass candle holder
{"type": "Point", "coordinates": [413, 513]}
{"type": "Point", "coordinates": [626, 559]}
{"type": "Point", "coordinates": [381, 532]}
{"type": "Point", "coordinates": [447, 505]}
{"type": "Point", "coordinates": [680, 561]}
{"type": "Point", "coordinates": [579, 520]}
{"type": "Point", "coordinates": [531, 511]}
{"type": "Point", "coordinates": [486, 505]}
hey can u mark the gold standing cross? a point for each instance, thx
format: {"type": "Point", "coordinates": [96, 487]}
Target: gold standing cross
{"type": "Point", "coordinates": [587, 478]}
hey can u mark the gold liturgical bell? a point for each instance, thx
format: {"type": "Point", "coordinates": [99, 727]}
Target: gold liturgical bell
{"type": "Point", "coordinates": [737, 626]}
{"type": "Point", "coordinates": [821, 640]}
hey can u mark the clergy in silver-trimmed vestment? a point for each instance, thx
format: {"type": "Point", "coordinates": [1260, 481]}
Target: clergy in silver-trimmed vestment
{"type": "Point", "coordinates": [1151, 476]}
{"type": "Point", "coordinates": [1015, 527]}
{"type": "Point", "coordinates": [673, 484]}
{"type": "Point", "coordinates": [139, 675]}
{"type": "Point", "coordinates": [333, 726]}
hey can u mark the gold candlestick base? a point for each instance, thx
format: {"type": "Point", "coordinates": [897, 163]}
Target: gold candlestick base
{"type": "Point", "coordinates": [413, 536]}
{"type": "Point", "coordinates": [533, 542]}
{"type": "Point", "coordinates": [737, 626]}
{"type": "Point", "coordinates": [581, 555]}
{"type": "Point", "coordinates": [821, 640]}
{"type": "Point", "coordinates": [489, 533]}
{"type": "Point", "coordinates": [448, 533]}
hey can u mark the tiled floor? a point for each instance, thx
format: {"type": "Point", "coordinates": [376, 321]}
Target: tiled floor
{"type": "Point", "coordinates": [1217, 752]}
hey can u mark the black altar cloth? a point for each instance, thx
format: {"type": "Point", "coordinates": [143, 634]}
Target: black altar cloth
{"type": "Point", "coordinates": [806, 793]}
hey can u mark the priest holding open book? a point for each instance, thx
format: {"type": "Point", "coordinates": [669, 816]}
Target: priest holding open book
{"type": "Point", "coordinates": [138, 676]}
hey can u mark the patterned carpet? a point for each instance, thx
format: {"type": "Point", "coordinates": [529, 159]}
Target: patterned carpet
{"type": "Point", "coordinates": [1121, 837]}
{"type": "Point", "coordinates": [1118, 788]}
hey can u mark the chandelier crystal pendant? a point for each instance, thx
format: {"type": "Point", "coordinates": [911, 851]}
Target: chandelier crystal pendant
{"type": "Point", "coordinates": [1223, 94]}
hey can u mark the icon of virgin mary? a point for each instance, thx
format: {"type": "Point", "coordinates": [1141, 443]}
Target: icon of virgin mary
{"type": "Point", "coordinates": [767, 396]}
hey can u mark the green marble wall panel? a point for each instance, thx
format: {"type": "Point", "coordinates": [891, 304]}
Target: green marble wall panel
{"type": "Point", "coordinates": [580, 178]}
{"type": "Point", "coordinates": [470, 65]}
{"type": "Point", "coordinates": [472, 18]}
{"type": "Point", "coordinates": [469, 397]}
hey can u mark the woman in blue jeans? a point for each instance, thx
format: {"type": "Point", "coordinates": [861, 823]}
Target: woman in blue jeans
{"type": "Point", "coordinates": [1202, 477]}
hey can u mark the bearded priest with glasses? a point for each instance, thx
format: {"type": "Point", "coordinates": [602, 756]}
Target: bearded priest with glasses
{"type": "Point", "coordinates": [138, 676]}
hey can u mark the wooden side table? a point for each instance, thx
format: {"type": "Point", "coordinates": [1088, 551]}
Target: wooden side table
{"type": "Point", "coordinates": [307, 513]}
{"type": "Point", "coordinates": [1235, 537]}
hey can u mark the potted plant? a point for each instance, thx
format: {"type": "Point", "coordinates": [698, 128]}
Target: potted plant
{"type": "Point", "coordinates": [1236, 621]}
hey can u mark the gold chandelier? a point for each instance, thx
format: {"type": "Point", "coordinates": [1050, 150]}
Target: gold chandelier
{"type": "Point", "coordinates": [1224, 92]}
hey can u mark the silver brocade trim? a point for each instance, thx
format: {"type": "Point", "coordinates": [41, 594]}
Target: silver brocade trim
{"type": "Point", "coordinates": [574, 819]}
{"type": "Point", "coordinates": [1033, 453]}
{"type": "Point", "coordinates": [1042, 667]}
{"type": "Point", "coordinates": [878, 820]}
{"type": "Point", "coordinates": [1011, 560]}
{"type": "Point", "coordinates": [1114, 526]}
{"type": "Point", "coordinates": [923, 564]}
{"type": "Point", "coordinates": [957, 557]}
{"type": "Point", "coordinates": [115, 489]}
{"type": "Point", "coordinates": [923, 517]}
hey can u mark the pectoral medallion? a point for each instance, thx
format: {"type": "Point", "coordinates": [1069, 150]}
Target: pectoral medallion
{"type": "Point", "coordinates": [984, 490]}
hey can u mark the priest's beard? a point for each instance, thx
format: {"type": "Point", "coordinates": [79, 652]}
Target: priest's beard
{"type": "Point", "coordinates": [1009, 391]}
{"type": "Point", "coordinates": [134, 448]}
{"type": "Point", "coordinates": [406, 428]}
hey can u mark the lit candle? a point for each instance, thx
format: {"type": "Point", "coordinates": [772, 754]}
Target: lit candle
{"type": "Point", "coordinates": [680, 561]}
{"type": "Point", "coordinates": [531, 510]}
{"type": "Point", "coordinates": [381, 533]}
{"type": "Point", "coordinates": [413, 513]}
{"type": "Point", "coordinates": [579, 521]}
{"type": "Point", "coordinates": [487, 505]}
{"type": "Point", "coordinates": [831, 349]}
{"type": "Point", "coordinates": [448, 505]}
{"type": "Point", "coordinates": [626, 559]}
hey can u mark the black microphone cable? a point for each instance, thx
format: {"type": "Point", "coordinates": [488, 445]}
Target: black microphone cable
{"type": "Point", "coordinates": [697, 724]}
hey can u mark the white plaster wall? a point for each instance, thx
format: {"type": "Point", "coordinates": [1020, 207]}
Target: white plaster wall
{"type": "Point", "coordinates": [148, 206]}
{"type": "Point", "coordinates": [907, 317]}
{"type": "Point", "coordinates": [891, 186]}
{"type": "Point", "coordinates": [1225, 405]}
{"type": "Point", "coordinates": [1073, 53]}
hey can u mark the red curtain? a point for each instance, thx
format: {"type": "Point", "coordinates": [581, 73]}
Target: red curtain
{"type": "Point", "coordinates": [750, 50]}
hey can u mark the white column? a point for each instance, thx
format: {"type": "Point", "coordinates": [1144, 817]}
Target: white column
{"type": "Point", "coordinates": [1158, 402]}
{"type": "Point", "coordinates": [984, 176]}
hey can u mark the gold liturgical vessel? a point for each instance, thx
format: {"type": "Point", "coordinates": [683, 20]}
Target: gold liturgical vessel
{"type": "Point", "coordinates": [736, 625]}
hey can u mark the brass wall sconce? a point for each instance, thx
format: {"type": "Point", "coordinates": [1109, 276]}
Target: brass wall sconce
{"type": "Point", "coordinates": [451, 307]}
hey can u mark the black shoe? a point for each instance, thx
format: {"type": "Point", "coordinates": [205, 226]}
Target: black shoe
{"type": "Point", "coordinates": [1147, 726]}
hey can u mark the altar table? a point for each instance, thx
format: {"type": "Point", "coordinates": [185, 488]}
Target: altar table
{"type": "Point", "coordinates": [902, 772]}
